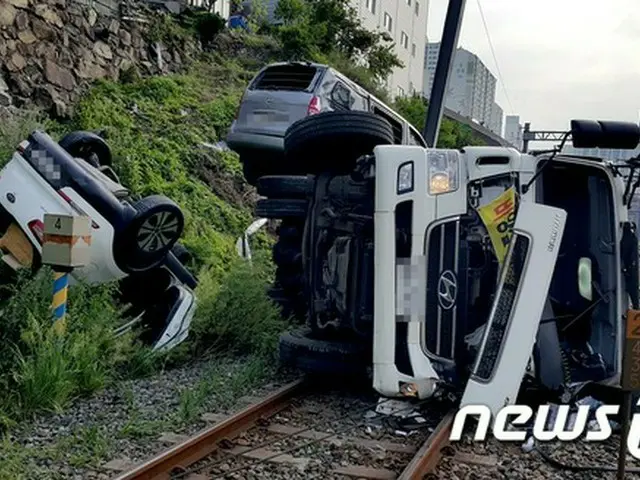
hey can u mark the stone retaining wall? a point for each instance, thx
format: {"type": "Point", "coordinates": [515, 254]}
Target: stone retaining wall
{"type": "Point", "coordinates": [51, 50]}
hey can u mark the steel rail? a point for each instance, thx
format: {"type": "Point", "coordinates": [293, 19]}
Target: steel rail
{"type": "Point", "coordinates": [427, 458]}
{"type": "Point", "coordinates": [206, 442]}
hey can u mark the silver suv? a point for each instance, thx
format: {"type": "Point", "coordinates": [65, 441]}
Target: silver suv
{"type": "Point", "coordinates": [282, 93]}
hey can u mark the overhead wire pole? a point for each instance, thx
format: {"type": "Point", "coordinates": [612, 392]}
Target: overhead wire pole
{"type": "Point", "coordinates": [448, 44]}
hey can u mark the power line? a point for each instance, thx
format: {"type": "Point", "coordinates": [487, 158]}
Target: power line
{"type": "Point", "coordinates": [495, 59]}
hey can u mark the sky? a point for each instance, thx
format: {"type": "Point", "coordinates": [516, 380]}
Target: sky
{"type": "Point", "coordinates": [559, 59]}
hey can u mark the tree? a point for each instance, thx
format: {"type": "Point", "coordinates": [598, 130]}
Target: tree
{"type": "Point", "coordinates": [330, 31]}
{"type": "Point", "coordinates": [451, 135]}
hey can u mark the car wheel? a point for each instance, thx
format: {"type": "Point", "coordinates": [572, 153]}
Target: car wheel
{"type": "Point", "coordinates": [89, 147]}
{"type": "Point", "coordinates": [334, 140]}
{"type": "Point", "coordinates": [151, 234]}
{"type": "Point", "coordinates": [284, 186]}
{"type": "Point", "coordinates": [301, 349]}
{"type": "Point", "coordinates": [281, 208]}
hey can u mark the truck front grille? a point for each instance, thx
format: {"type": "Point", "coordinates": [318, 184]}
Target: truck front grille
{"type": "Point", "coordinates": [443, 288]}
{"type": "Point", "coordinates": [503, 308]}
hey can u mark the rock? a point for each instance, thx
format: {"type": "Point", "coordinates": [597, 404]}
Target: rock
{"type": "Point", "coordinates": [16, 62]}
{"type": "Point", "coordinates": [92, 18]}
{"type": "Point", "coordinates": [18, 3]}
{"type": "Point", "coordinates": [88, 70]}
{"type": "Point", "coordinates": [125, 38]}
{"type": "Point", "coordinates": [114, 27]}
{"type": "Point", "coordinates": [48, 14]}
{"type": "Point", "coordinates": [42, 30]}
{"type": "Point", "coordinates": [60, 109]}
{"type": "Point", "coordinates": [7, 15]}
{"type": "Point", "coordinates": [103, 50]}
{"type": "Point", "coordinates": [3, 85]}
{"type": "Point", "coordinates": [22, 20]}
{"type": "Point", "coordinates": [5, 99]}
{"type": "Point", "coordinates": [27, 36]}
{"type": "Point", "coordinates": [59, 76]}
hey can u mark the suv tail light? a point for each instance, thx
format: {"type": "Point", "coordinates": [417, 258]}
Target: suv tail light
{"type": "Point", "coordinates": [314, 106]}
{"type": "Point", "coordinates": [37, 228]}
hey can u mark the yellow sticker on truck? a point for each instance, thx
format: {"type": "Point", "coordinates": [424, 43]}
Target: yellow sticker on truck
{"type": "Point", "coordinates": [498, 217]}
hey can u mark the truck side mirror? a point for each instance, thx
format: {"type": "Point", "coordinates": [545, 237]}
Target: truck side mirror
{"type": "Point", "coordinates": [585, 285]}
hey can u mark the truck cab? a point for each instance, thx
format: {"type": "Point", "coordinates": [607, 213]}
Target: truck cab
{"type": "Point", "coordinates": [468, 269]}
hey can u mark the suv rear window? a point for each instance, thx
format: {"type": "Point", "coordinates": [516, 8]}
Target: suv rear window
{"type": "Point", "coordinates": [285, 77]}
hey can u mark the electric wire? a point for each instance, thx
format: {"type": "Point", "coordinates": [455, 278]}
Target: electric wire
{"type": "Point", "coordinates": [495, 58]}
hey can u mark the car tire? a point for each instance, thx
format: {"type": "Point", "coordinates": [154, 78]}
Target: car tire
{"type": "Point", "coordinates": [334, 140]}
{"type": "Point", "coordinates": [284, 186]}
{"type": "Point", "coordinates": [281, 208]}
{"type": "Point", "coordinates": [151, 234]}
{"type": "Point", "coordinates": [301, 349]}
{"type": "Point", "coordinates": [182, 254]}
{"type": "Point", "coordinates": [89, 147]}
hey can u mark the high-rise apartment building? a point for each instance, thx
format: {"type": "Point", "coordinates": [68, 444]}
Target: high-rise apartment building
{"type": "Point", "coordinates": [471, 89]}
{"type": "Point", "coordinates": [406, 23]}
{"type": "Point", "coordinates": [513, 131]}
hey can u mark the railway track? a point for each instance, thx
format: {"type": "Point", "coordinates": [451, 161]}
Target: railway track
{"type": "Point", "coordinates": [301, 431]}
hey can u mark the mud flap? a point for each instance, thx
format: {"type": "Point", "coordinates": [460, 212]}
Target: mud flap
{"type": "Point", "coordinates": [515, 316]}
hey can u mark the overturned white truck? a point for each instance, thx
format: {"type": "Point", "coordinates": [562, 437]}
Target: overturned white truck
{"type": "Point", "coordinates": [467, 270]}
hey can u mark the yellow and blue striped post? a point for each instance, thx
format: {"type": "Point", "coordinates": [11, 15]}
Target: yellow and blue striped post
{"type": "Point", "coordinates": [60, 287]}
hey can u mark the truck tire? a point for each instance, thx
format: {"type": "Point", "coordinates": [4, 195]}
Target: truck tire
{"type": "Point", "coordinates": [284, 186]}
{"type": "Point", "coordinates": [288, 291]}
{"type": "Point", "coordinates": [334, 140]}
{"type": "Point", "coordinates": [300, 349]}
{"type": "Point", "coordinates": [281, 208]}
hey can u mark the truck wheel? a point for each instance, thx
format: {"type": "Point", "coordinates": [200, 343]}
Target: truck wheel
{"type": "Point", "coordinates": [287, 257]}
{"type": "Point", "coordinates": [334, 140]}
{"type": "Point", "coordinates": [151, 234]}
{"type": "Point", "coordinates": [300, 349]}
{"type": "Point", "coordinates": [89, 147]}
{"type": "Point", "coordinates": [284, 186]}
{"type": "Point", "coordinates": [281, 208]}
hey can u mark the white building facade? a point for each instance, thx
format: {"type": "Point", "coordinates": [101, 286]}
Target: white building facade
{"type": "Point", "coordinates": [471, 89]}
{"type": "Point", "coordinates": [406, 23]}
{"type": "Point", "coordinates": [513, 131]}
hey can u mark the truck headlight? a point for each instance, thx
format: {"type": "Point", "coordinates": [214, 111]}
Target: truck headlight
{"type": "Point", "coordinates": [405, 178]}
{"type": "Point", "coordinates": [442, 171]}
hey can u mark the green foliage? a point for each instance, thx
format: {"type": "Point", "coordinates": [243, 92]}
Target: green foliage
{"type": "Point", "coordinates": [157, 128]}
{"type": "Point", "coordinates": [44, 371]}
{"type": "Point", "coordinates": [330, 31]}
{"type": "Point", "coordinates": [234, 314]}
{"type": "Point", "coordinates": [15, 129]}
{"type": "Point", "coordinates": [452, 134]}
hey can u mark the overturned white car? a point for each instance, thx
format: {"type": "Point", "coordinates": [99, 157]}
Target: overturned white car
{"type": "Point", "coordinates": [469, 269]}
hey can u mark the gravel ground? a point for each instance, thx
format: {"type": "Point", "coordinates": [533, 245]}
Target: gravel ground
{"type": "Point", "coordinates": [124, 421]}
{"type": "Point", "coordinates": [361, 439]}
{"type": "Point", "coordinates": [493, 460]}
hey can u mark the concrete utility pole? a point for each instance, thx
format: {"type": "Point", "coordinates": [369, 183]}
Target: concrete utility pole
{"type": "Point", "coordinates": [448, 46]}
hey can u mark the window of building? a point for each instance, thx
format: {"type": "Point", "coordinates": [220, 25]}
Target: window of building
{"type": "Point", "coordinates": [400, 92]}
{"type": "Point", "coordinates": [413, 49]}
{"type": "Point", "coordinates": [409, 2]}
{"type": "Point", "coordinates": [388, 22]}
{"type": "Point", "coordinates": [371, 5]}
{"type": "Point", "coordinates": [417, 8]}
{"type": "Point", "coordinates": [404, 40]}
{"type": "Point", "coordinates": [412, 90]}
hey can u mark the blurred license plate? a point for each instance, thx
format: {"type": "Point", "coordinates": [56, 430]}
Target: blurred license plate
{"type": "Point", "coordinates": [269, 117]}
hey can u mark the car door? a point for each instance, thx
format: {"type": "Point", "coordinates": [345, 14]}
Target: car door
{"type": "Point", "coordinates": [517, 308]}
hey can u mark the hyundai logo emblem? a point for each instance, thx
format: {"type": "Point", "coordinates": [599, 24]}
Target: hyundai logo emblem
{"type": "Point", "coordinates": [447, 289]}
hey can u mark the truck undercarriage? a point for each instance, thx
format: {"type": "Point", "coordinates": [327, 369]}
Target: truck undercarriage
{"type": "Point", "coordinates": [404, 262]}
